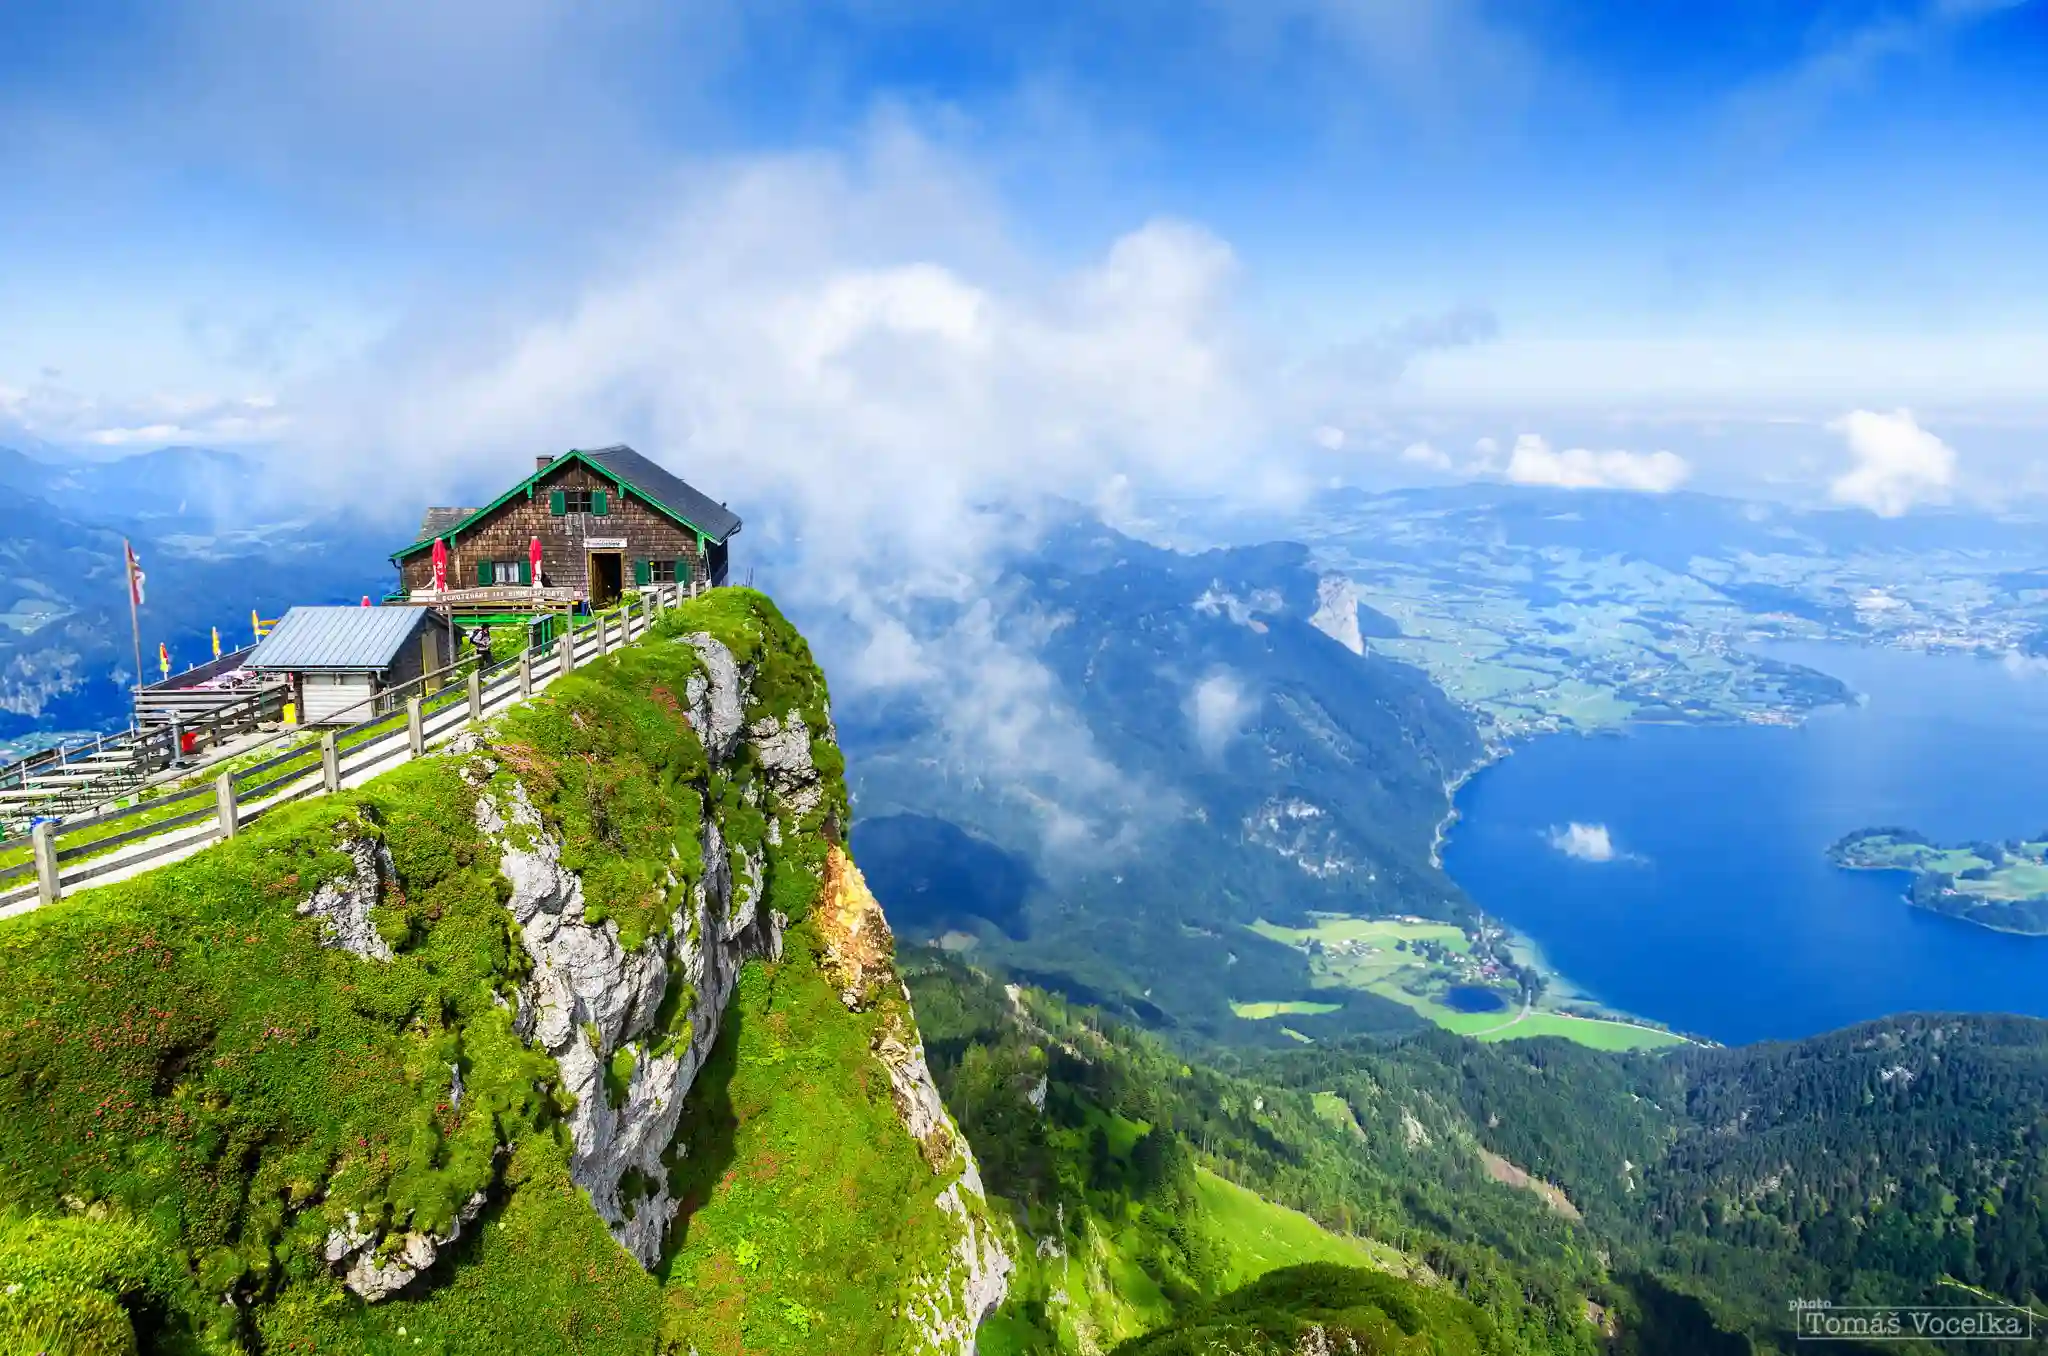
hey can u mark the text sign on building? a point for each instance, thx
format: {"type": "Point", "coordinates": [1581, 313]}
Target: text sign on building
{"type": "Point", "coordinates": [604, 543]}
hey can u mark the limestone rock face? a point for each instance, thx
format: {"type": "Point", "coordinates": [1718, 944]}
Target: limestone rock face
{"type": "Point", "coordinates": [949, 1312]}
{"type": "Point", "coordinates": [717, 705]}
{"type": "Point", "coordinates": [1336, 614]}
{"type": "Point", "coordinates": [343, 907]}
{"type": "Point", "coordinates": [589, 998]}
{"type": "Point", "coordinates": [376, 1272]}
{"type": "Point", "coordinates": [784, 747]}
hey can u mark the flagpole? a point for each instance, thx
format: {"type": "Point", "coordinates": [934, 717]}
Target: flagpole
{"type": "Point", "coordinates": [134, 621]}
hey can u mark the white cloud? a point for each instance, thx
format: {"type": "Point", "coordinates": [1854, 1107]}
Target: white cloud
{"type": "Point", "coordinates": [851, 340]}
{"type": "Point", "coordinates": [1587, 842]}
{"type": "Point", "coordinates": [1218, 707]}
{"type": "Point", "coordinates": [48, 411]}
{"type": "Point", "coordinates": [1422, 454]}
{"type": "Point", "coordinates": [1533, 462]}
{"type": "Point", "coordinates": [1329, 438]}
{"type": "Point", "coordinates": [1898, 463]}
{"type": "Point", "coordinates": [2025, 666]}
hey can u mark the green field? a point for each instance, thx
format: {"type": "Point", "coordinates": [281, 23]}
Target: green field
{"type": "Point", "coordinates": [1600, 1035]}
{"type": "Point", "coordinates": [2020, 873]}
{"type": "Point", "coordinates": [2002, 886]}
{"type": "Point", "coordinates": [1377, 955]}
{"type": "Point", "coordinates": [1259, 1012]}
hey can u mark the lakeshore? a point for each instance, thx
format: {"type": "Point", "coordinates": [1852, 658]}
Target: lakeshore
{"type": "Point", "coordinates": [1658, 917]}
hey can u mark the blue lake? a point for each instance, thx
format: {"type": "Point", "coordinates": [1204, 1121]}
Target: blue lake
{"type": "Point", "coordinates": [1718, 911]}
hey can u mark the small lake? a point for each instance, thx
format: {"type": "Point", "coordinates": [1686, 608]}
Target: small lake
{"type": "Point", "coordinates": [1695, 888]}
{"type": "Point", "coordinates": [1474, 998]}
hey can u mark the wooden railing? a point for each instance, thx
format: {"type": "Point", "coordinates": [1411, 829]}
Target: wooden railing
{"type": "Point", "coordinates": [79, 774]}
{"type": "Point", "coordinates": [38, 867]}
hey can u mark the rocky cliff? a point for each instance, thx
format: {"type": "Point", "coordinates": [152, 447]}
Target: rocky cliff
{"type": "Point", "coordinates": [583, 1035]}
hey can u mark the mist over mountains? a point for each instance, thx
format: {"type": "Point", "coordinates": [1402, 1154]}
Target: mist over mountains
{"type": "Point", "coordinates": [215, 541]}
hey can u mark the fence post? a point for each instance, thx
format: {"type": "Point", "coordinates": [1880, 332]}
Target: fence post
{"type": "Point", "coordinates": [48, 888]}
{"type": "Point", "coordinates": [476, 694]}
{"type": "Point", "coordinates": [568, 648]}
{"type": "Point", "coordinates": [525, 674]}
{"type": "Point", "coordinates": [224, 805]}
{"type": "Point", "coordinates": [600, 620]}
{"type": "Point", "coordinates": [330, 761]}
{"type": "Point", "coordinates": [415, 727]}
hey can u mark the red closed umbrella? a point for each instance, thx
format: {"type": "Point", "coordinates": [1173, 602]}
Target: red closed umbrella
{"type": "Point", "coordinates": [533, 559]}
{"type": "Point", "coordinates": [440, 566]}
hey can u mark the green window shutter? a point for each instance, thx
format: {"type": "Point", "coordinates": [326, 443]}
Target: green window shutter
{"type": "Point", "coordinates": [640, 575]}
{"type": "Point", "coordinates": [483, 573]}
{"type": "Point", "coordinates": [600, 504]}
{"type": "Point", "coordinates": [683, 575]}
{"type": "Point", "coordinates": [558, 502]}
{"type": "Point", "coordinates": [526, 572]}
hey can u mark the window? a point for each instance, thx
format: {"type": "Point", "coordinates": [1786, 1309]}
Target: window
{"type": "Point", "coordinates": [506, 571]}
{"type": "Point", "coordinates": [661, 572]}
{"type": "Point", "coordinates": [596, 503]}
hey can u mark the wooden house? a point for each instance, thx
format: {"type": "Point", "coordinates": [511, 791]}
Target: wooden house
{"type": "Point", "coordinates": [337, 659]}
{"type": "Point", "coordinates": [607, 520]}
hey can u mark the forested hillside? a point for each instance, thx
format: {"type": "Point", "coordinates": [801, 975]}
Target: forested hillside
{"type": "Point", "coordinates": [1260, 770]}
{"type": "Point", "coordinates": [1680, 1201]}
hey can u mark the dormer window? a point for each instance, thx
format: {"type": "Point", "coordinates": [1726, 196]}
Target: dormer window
{"type": "Point", "coordinates": [575, 501]}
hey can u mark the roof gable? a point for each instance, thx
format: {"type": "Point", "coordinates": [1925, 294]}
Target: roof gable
{"type": "Point", "coordinates": [645, 479]}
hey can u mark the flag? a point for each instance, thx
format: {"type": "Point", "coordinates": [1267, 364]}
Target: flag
{"type": "Point", "coordinates": [163, 658]}
{"type": "Point", "coordinates": [216, 642]}
{"type": "Point", "coordinates": [440, 565]}
{"type": "Point", "coordinates": [533, 561]}
{"type": "Point", "coordinates": [135, 576]}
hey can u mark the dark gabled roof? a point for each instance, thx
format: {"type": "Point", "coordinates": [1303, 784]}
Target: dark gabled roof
{"type": "Point", "coordinates": [345, 639]}
{"type": "Point", "coordinates": [663, 489]}
{"type": "Point", "coordinates": [439, 520]}
{"type": "Point", "coordinates": [644, 478]}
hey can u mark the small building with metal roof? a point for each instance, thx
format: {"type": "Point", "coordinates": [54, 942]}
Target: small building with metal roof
{"type": "Point", "coordinates": [598, 521]}
{"type": "Point", "coordinates": [337, 659]}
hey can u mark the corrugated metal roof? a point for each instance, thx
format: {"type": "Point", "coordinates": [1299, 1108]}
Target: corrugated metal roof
{"type": "Point", "coordinates": [337, 638]}
{"type": "Point", "coordinates": [665, 488]}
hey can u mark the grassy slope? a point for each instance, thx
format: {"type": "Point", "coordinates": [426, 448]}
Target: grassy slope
{"type": "Point", "coordinates": [1110, 1296]}
{"type": "Point", "coordinates": [1327, 1307]}
{"type": "Point", "coordinates": [179, 1053]}
{"type": "Point", "coordinates": [1260, 1236]}
{"type": "Point", "coordinates": [797, 1176]}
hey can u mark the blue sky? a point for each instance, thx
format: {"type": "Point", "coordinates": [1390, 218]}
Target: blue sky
{"type": "Point", "coordinates": [965, 248]}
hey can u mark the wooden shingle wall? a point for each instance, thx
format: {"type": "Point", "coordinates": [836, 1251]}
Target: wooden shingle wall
{"type": "Point", "coordinates": [504, 536]}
